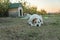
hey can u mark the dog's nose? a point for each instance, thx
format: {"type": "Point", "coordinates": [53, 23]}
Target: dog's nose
{"type": "Point", "coordinates": [37, 25]}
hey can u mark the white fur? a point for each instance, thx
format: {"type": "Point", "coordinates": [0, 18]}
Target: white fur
{"type": "Point", "coordinates": [39, 17]}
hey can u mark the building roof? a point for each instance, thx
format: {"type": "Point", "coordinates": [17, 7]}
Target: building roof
{"type": "Point", "coordinates": [15, 5]}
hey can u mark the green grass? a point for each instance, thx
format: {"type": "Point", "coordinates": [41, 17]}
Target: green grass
{"type": "Point", "coordinates": [18, 29]}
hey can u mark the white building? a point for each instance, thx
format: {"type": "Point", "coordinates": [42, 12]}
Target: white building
{"type": "Point", "coordinates": [15, 10]}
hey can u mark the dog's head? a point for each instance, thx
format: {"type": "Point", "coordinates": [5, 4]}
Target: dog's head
{"type": "Point", "coordinates": [36, 22]}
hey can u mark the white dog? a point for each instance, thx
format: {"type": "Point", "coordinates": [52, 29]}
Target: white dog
{"type": "Point", "coordinates": [35, 20]}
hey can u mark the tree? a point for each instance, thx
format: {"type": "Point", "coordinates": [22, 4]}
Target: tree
{"type": "Point", "coordinates": [33, 10]}
{"type": "Point", "coordinates": [43, 11]}
{"type": "Point", "coordinates": [27, 8]}
{"type": "Point", "coordinates": [24, 7]}
{"type": "Point", "coordinates": [4, 5]}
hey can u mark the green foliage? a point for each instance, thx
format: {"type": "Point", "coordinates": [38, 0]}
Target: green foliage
{"type": "Point", "coordinates": [42, 12]}
{"type": "Point", "coordinates": [33, 10]}
{"type": "Point", "coordinates": [4, 5]}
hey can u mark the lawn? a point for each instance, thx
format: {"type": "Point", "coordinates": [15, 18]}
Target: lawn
{"type": "Point", "coordinates": [18, 29]}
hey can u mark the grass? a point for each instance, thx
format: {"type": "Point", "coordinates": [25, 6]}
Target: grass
{"type": "Point", "coordinates": [18, 29]}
